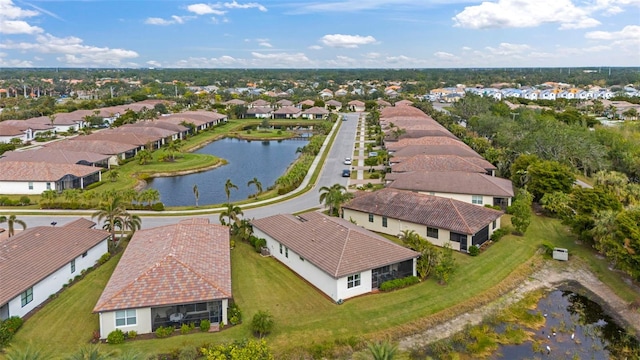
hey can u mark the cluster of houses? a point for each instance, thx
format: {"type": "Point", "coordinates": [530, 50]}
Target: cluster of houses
{"type": "Point", "coordinates": [181, 273]}
{"type": "Point", "coordinates": [78, 161]}
{"type": "Point", "coordinates": [286, 109]}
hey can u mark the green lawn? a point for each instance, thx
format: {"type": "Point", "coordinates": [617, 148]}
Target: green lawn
{"type": "Point", "coordinates": [301, 312]}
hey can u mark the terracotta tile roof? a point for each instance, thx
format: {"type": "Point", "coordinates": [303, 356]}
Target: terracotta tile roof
{"type": "Point", "coordinates": [174, 264]}
{"type": "Point", "coordinates": [414, 134]}
{"type": "Point", "coordinates": [316, 110]}
{"type": "Point", "coordinates": [403, 103]}
{"type": "Point", "coordinates": [356, 103]}
{"type": "Point", "coordinates": [259, 110]}
{"type": "Point", "coordinates": [53, 155]}
{"type": "Point", "coordinates": [260, 103]}
{"type": "Point", "coordinates": [432, 211]}
{"type": "Point", "coordinates": [334, 245]}
{"type": "Point", "coordinates": [81, 223]}
{"type": "Point", "coordinates": [284, 102]}
{"type": "Point", "coordinates": [150, 131]}
{"type": "Point", "coordinates": [41, 171]}
{"type": "Point", "coordinates": [455, 182]}
{"type": "Point", "coordinates": [288, 110]}
{"type": "Point", "coordinates": [391, 112]}
{"type": "Point", "coordinates": [413, 150]}
{"type": "Point", "coordinates": [82, 144]}
{"type": "Point", "coordinates": [25, 124]}
{"type": "Point", "coordinates": [35, 253]}
{"type": "Point", "coordinates": [382, 102]}
{"type": "Point", "coordinates": [121, 137]}
{"type": "Point", "coordinates": [10, 130]}
{"type": "Point", "coordinates": [333, 102]}
{"type": "Point", "coordinates": [306, 102]}
{"type": "Point", "coordinates": [438, 163]}
{"type": "Point", "coordinates": [174, 128]}
{"type": "Point", "coordinates": [235, 102]}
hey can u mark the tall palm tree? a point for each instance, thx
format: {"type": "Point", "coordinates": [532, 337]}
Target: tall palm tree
{"type": "Point", "coordinates": [150, 196]}
{"type": "Point", "coordinates": [110, 212]}
{"type": "Point", "coordinates": [257, 184]}
{"type": "Point", "coordinates": [128, 222]}
{"type": "Point", "coordinates": [232, 213]}
{"type": "Point", "coordinates": [227, 189]}
{"type": "Point", "coordinates": [333, 197]}
{"type": "Point", "coordinates": [11, 222]}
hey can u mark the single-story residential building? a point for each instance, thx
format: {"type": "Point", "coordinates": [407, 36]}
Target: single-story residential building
{"type": "Point", "coordinates": [439, 220]}
{"type": "Point", "coordinates": [470, 187]}
{"type": "Point", "coordinates": [57, 156]}
{"type": "Point", "coordinates": [259, 112]}
{"type": "Point", "coordinates": [334, 105]}
{"type": "Point", "coordinates": [356, 105]}
{"type": "Point", "coordinates": [441, 163]}
{"type": "Point", "coordinates": [32, 178]}
{"type": "Point", "coordinates": [37, 262]}
{"type": "Point", "coordinates": [287, 112]}
{"type": "Point", "coordinates": [315, 113]}
{"type": "Point", "coordinates": [339, 258]}
{"type": "Point", "coordinates": [169, 275]}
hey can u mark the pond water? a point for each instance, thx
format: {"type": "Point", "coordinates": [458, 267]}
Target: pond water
{"type": "Point", "coordinates": [575, 328]}
{"type": "Point", "coordinates": [265, 160]}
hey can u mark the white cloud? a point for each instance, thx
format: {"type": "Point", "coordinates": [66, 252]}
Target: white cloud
{"type": "Point", "coordinates": [175, 19]}
{"type": "Point", "coordinates": [315, 47]}
{"type": "Point", "coordinates": [154, 63]}
{"type": "Point", "coordinates": [372, 55]}
{"type": "Point", "coordinates": [628, 32]}
{"type": "Point", "coordinates": [444, 55]}
{"type": "Point", "coordinates": [524, 13]}
{"type": "Point", "coordinates": [236, 5]}
{"type": "Point", "coordinates": [72, 51]}
{"type": "Point", "coordinates": [265, 44]}
{"type": "Point", "coordinates": [346, 41]}
{"type": "Point", "coordinates": [10, 19]}
{"type": "Point", "coordinates": [204, 9]}
{"type": "Point", "coordinates": [507, 49]}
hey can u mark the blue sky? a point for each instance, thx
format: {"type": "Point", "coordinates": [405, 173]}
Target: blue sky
{"type": "Point", "coordinates": [313, 34]}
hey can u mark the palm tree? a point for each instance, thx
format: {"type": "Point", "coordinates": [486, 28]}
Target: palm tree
{"type": "Point", "coordinates": [109, 212]}
{"type": "Point", "coordinates": [90, 352]}
{"type": "Point", "coordinates": [49, 196]}
{"type": "Point", "coordinates": [143, 156]}
{"type": "Point", "coordinates": [128, 221]}
{"type": "Point", "coordinates": [28, 353]}
{"type": "Point", "coordinates": [173, 147]}
{"type": "Point", "coordinates": [11, 222]}
{"type": "Point", "coordinates": [196, 193]}
{"type": "Point", "coordinates": [232, 213]}
{"type": "Point", "coordinates": [334, 196]}
{"type": "Point", "coordinates": [257, 184]}
{"type": "Point", "coordinates": [113, 175]}
{"type": "Point", "coordinates": [150, 196]}
{"type": "Point", "coordinates": [382, 350]}
{"type": "Point", "coordinates": [227, 189]}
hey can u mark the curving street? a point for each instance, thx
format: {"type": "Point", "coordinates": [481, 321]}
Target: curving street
{"type": "Point", "coordinates": [330, 174]}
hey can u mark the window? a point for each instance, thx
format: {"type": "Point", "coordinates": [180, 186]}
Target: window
{"type": "Point", "coordinates": [476, 199]}
{"type": "Point", "coordinates": [73, 266]}
{"type": "Point", "coordinates": [353, 281]}
{"type": "Point", "coordinates": [84, 254]}
{"type": "Point", "coordinates": [125, 317]}
{"type": "Point", "coordinates": [30, 185]}
{"type": "Point", "coordinates": [286, 252]}
{"type": "Point", "coordinates": [384, 221]}
{"type": "Point", "coordinates": [493, 226]}
{"type": "Point", "coordinates": [370, 217]}
{"type": "Point", "coordinates": [26, 297]}
{"type": "Point", "coordinates": [280, 248]}
{"type": "Point", "coordinates": [48, 186]}
{"type": "Point", "coordinates": [432, 232]}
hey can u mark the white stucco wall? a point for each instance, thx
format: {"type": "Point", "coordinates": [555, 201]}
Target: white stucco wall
{"type": "Point", "coordinates": [142, 326]}
{"type": "Point", "coordinates": [486, 199]}
{"type": "Point", "coordinates": [22, 187]}
{"type": "Point", "coordinates": [54, 282]}
{"type": "Point", "coordinates": [334, 288]}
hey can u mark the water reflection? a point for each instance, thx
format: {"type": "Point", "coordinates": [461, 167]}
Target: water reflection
{"type": "Point", "coordinates": [265, 160]}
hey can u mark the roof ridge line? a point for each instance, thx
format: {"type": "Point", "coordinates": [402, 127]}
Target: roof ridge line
{"type": "Point", "coordinates": [460, 215]}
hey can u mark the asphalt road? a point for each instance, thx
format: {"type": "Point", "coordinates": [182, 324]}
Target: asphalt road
{"type": "Point", "coordinates": [330, 174]}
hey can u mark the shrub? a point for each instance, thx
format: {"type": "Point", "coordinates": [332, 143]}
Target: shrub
{"type": "Point", "coordinates": [188, 353]}
{"type": "Point", "coordinates": [185, 329]}
{"type": "Point", "coordinates": [235, 315]}
{"type": "Point", "coordinates": [8, 328]}
{"type": "Point", "coordinates": [374, 176]}
{"type": "Point", "coordinates": [474, 250]}
{"type": "Point", "coordinates": [259, 243]}
{"type": "Point", "coordinates": [164, 331]}
{"type": "Point", "coordinates": [399, 283]}
{"type": "Point", "coordinates": [132, 334]}
{"type": "Point", "coordinates": [104, 258]}
{"type": "Point", "coordinates": [500, 233]}
{"type": "Point", "coordinates": [24, 200]}
{"type": "Point", "coordinates": [157, 206]}
{"type": "Point", "coordinates": [205, 325]}
{"type": "Point", "coordinates": [262, 323]}
{"type": "Point", "coordinates": [115, 337]}
{"type": "Point", "coordinates": [494, 207]}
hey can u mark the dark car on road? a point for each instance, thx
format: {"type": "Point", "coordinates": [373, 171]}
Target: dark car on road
{"type": "Point", "coordinates": [346, 173]}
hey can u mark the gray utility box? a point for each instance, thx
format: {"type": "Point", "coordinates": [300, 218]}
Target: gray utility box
{"type": "Point", "coordinates": [560, 254]}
